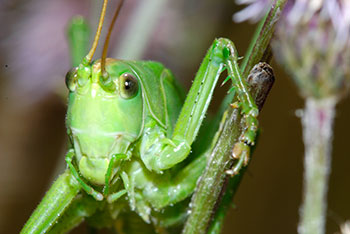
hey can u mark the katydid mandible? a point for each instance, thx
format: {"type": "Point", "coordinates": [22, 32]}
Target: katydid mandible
{"type": "Point", "coordinates": [130, 137]}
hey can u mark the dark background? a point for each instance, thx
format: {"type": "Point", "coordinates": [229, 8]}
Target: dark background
{"type": "Point", "coordinates": [34, 59]}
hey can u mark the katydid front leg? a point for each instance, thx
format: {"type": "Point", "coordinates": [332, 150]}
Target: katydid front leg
{"type": "Point", "coordinates": [89, 189]}
{"type": "Point", "coordinates": [160, 153]}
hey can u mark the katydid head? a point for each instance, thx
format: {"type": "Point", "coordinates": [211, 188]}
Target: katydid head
{"type": "Point", "coordinates": [109, 101]}
{"type": "Point", "coordinates": [100, 106]}
{"type": "Point", "coordinates": [103, 120]}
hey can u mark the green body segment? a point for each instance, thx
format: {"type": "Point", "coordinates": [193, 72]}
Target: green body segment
{"type": "Point", "coordinates": [130, 151]}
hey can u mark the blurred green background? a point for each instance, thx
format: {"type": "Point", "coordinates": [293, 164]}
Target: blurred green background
{"type": "Point", "coordinates": [34, 60]}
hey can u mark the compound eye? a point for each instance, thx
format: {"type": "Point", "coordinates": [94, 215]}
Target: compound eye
{"type": "Point", "coordinates": [71, 79]}
{"type": "Point", "coordinates": [128, 86]}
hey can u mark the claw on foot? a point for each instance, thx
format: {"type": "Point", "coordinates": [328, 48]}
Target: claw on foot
{"type": "Point", "coordinates": [237, 151]}
{"type": "Point", "coordinates": [248, 137]}
{"type": "Point", "coordinates": [240, 152]}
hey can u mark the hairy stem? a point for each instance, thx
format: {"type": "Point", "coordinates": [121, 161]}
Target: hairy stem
{"type": "Point", "coordinates": [259, 49]}
{"type": "Point", "coordinates": [214, 178]}
{"type": "Point", "coordinates": [212, 186]}
{"type": "Point", "coordinates": [259, 46]}
{"type": "Point", "coordinates": [317, 134]}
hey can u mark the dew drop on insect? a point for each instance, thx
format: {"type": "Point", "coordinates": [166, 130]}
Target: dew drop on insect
{"type": "Point", "coordinates": [93, 93]}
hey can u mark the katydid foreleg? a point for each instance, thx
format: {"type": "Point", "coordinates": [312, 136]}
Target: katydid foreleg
{"type": "Point", "coordinates": [111, 171]}
{"type": "Point", "coordinates": [171, 151]}
{"type": "Point", "coordinates": [159, 152]}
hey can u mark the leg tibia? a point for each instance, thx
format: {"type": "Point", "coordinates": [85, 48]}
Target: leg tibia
{"type": "Point", "coordinates": [158, 151]}
{"type": "Point", "coordinates": [113, 165]}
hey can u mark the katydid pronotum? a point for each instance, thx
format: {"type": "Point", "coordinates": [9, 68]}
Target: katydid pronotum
{"type": "Point", "coordinates": [130, 137]}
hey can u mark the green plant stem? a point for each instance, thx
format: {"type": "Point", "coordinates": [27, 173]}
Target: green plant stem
{"type": "Point", "coordinates": [259, 49]}
{"type": "Point", "coordinates": [211, 186]}
{"type": "Point", "coordinates": [259, 46]}
{"type": "Point", "coordinates": [317, 123]}
{"type": "Point", "coordinates": [214, 178]}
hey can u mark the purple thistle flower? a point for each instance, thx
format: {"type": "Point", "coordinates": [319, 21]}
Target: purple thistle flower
{"type": "Point", "coordinates": [312, 41]}
{"type": "Point", "coordinates": [336, 11]}
{"type": "Point", "coordinates": [339, 13]}
{"type": "Point", "coordinates": [253, 12]}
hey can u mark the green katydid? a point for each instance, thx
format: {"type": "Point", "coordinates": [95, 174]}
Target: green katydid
{"type": "Point", "coordinates": [130, 140]}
